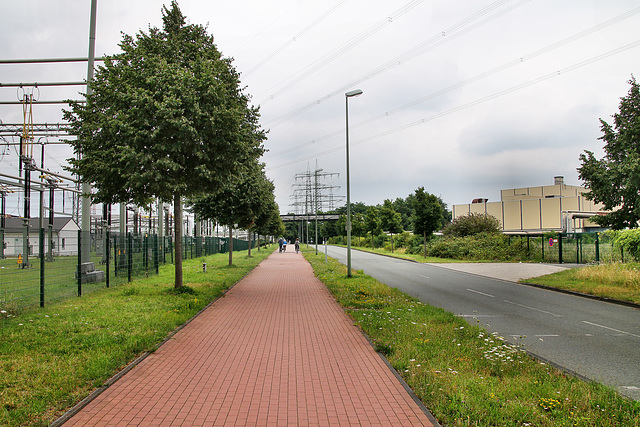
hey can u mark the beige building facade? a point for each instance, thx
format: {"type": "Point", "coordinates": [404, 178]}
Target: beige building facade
{"type": "Point", "coordinates": [558, 207]}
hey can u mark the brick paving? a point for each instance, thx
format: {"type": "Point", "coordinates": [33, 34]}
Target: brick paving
{"type": "Point", "coordinates": [276, 350]}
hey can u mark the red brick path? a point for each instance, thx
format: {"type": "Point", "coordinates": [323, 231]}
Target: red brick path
{"type": "Point", "coordinates": [276, 350]}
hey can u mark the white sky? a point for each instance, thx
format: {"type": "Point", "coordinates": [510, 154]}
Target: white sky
{"type": "Point", "coordinates": [463, 98]}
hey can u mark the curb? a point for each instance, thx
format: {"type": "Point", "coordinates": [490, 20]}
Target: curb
{"type": "Point", "coordinates": [581, 294]}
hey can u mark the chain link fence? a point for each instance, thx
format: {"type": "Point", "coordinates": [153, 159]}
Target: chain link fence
{"type": "Point", "coordinates": [52, 270]}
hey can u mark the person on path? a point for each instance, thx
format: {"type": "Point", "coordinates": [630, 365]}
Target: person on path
{"type": "Point", "coordinates": [297, 245]}
{"type": "Point", "coordinates": [280, 240]}
{"type": "Point", "coordinates": [284, 245]}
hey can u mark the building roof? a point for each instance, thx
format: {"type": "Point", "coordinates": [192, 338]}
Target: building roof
{"type": "Point", "coordinates": [16, 224]}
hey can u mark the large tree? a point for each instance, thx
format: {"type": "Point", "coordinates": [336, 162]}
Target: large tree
{"type": "Point", "coordinates": [614, 180]}
{"type": "Point", "coordinates": [372, 223]}
{"type": "Point", "coordinates": [427, 217]}
{"type": "Point", "coordinates": [390, 220]}
{"type": "Point", "coordinates": [166, 119]}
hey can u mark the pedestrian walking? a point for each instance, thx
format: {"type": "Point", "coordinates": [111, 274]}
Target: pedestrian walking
{"type": "Point", "coordinates": [280, 240]}
{"type": "Point", "coordinates": [297, 245]}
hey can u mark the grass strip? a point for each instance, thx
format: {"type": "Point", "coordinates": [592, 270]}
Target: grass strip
{"type": "Point", "coordinates": [400, 253]}
{"type": "Point", "coordinates": [614, 280]}
{"type": "Point", "coordinates": [464, 375]}
{"type": "Point", "coordinates": [52, 358]}
{"type": "Point", "coordinates": [619, 281]}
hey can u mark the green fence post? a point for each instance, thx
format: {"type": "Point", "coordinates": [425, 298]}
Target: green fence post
{"type": "Point", "coordinates": [79, 269]}
{"type": "Point", "coordinates": [107, 251]}
{"type": "Point", "coordinates": [598, 248]}
{"type": "Point", "coordinates": [145, 252]}
{"type": "Point", "coordinates": [129, 256]}
{"type": "Point", "coordinates": [115, 255]}
{"type": "Point", "coordinates": [156, 258]}
{"type": "Point", "coordinates": [560, 248]}
{"type": "Point", "coordinates": [41, 267]}
{"type": "Point", "coordinates": [578, 248]}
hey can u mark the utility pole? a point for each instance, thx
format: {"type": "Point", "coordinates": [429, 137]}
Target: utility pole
{"type": "Point", "coordinates": [85, 256]}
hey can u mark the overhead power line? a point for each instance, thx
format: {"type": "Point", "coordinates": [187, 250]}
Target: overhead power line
{"type": "Point", "coordinates": [296, 37]}
{"type": "Point", "coordinates": [509, 64]}
{"type": "Point", "coordinates": [462, 27]}
{"type": "Point", "coordinates": [45, 60]}
{"type": "Point", "coordinates": [469, 104]}
{"type": "Point", "coordinates": [296, 78]}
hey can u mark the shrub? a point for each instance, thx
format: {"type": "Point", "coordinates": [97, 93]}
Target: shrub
{"type": "Point", "coordinates": [629, 240]}
{"type": "Point", "coordinates": [482, 246]}
{"type": "Point", "coordinates": [471, 224]}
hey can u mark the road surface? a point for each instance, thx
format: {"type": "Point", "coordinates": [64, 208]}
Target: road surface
{"type": "Point", "coordinates": [595, 339]}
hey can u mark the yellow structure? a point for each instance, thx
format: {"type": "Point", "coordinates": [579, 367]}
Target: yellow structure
{"type": "Point", "coordinates": [558, 207]}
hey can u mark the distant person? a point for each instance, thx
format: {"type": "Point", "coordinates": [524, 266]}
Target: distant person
{"type": "Point", "coordinates": [280, 241]}
{"type": "Point", "coordinates": [297, 245]}
{"type": "Point", "coordinates": [284, 245]}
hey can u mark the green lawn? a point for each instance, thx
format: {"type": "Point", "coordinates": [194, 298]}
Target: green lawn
{"type": "Point", "coordinates": [52, 358]}
{"type": "Point", "coordinates": [619, 281]}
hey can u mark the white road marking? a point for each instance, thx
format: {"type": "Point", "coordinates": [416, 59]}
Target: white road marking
{"type": "Point", "coordinates": [478, 315]}
{"type": "Point", "coordinates": [481, 293]}
{"type": "Point", "coordinates": [423, 276]}
{"type": "Point", "coordinates": [551, 335]}
{"type": "Point", "coordinates": [533, 308]}
{"type": "Point", "coordinates": [611, 329]}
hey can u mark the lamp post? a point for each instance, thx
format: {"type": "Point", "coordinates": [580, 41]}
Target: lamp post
{"type": "Point", "coordinates": [348, 95]}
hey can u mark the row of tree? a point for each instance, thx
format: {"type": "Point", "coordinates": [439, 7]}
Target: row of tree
{"type": "Point", "coordinates": [167, 119]}
{"type": "Point", "coordinates": [420, 212]}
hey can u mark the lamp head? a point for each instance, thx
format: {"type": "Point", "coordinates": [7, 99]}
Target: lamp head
{"type": "Point", "coordinates": [353, 93]}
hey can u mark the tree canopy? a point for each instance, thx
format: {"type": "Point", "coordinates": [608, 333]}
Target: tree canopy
{"type": "Point", "coordinates": [390, 220]}
{"type": "Point", "coordinates": [474, 223]}
{"type": "Point", "coordinates": [166, 118]}
{"type": "Point", "coordinates": [240, 202]}
{"type": "Point", "coordinates": [614, 180]}
{"type": "Point", "coordinates": [428, 214]}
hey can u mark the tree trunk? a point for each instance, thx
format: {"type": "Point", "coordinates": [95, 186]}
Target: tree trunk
{"type": "Point", "coordinates": [250, 233]}
{"type": "Point", "coordinates": [231, 245]}
{"type": "Point", "coordinates": [424, 239]}
{"type": "Point", "coordinates": [177, 223]}
{"type": "Point", "coordinates": [391, 242]}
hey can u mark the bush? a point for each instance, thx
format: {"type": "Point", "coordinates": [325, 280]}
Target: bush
{"type": "Point", "coordinates": [472, 224]}
{"type": "Point", "coordinates": [629, 240]}
{"type": "Point", "coordinates": [482, 246]}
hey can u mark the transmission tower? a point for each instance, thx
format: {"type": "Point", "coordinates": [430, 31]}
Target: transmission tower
{"type": "Point", "coordinates": [312, 194]}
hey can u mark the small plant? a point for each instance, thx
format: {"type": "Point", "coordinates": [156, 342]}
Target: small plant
{"type": "Point", "coordinates": [184, 289]}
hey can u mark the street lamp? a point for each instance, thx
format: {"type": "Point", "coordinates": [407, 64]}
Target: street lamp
{"type": "Point", "coordinates": [348, 95]}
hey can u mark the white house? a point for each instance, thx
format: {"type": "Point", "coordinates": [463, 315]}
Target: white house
{"type": "Point", "coordinates": [65, 236]}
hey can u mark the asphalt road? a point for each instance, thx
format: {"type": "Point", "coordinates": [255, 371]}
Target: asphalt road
{"type": "Point", "coordinates": [595, 339]}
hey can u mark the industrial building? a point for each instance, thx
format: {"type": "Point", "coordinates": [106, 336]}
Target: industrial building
{"type": "Point", "coordinates": [533, 210]}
